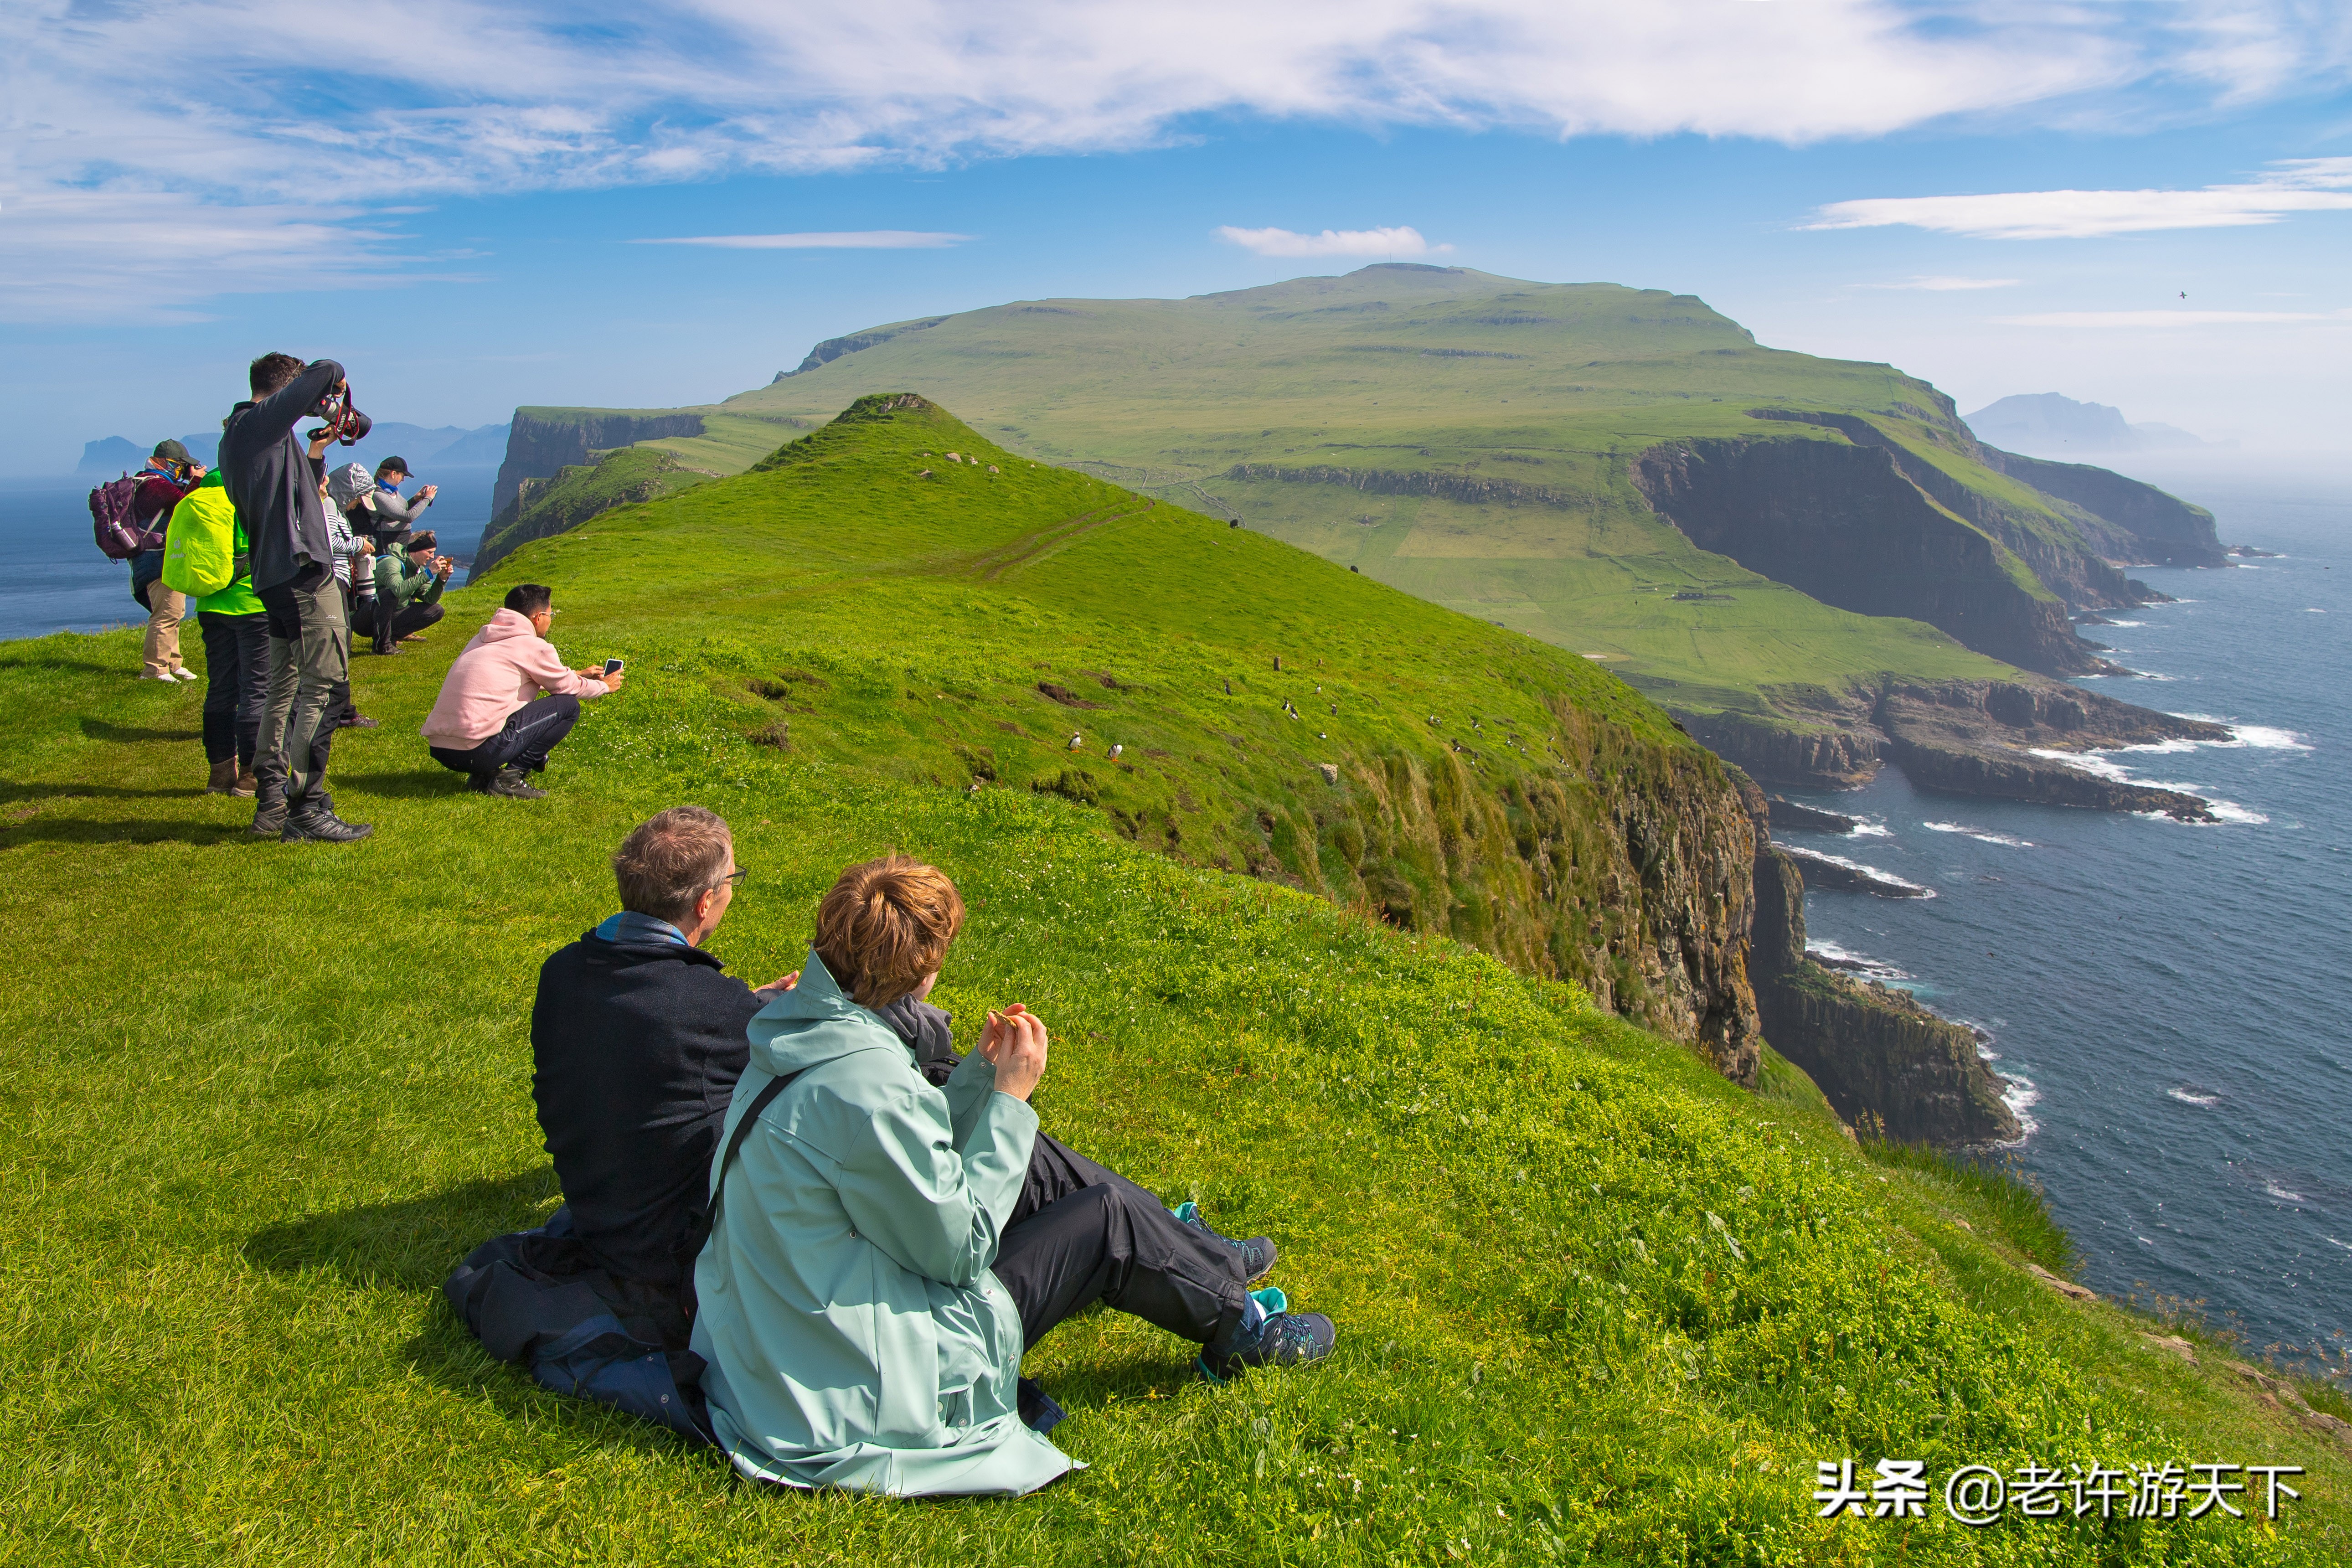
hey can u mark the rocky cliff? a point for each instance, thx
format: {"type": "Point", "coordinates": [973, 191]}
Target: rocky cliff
{"type": "Point", "coordinates": [2128, 521]}
{"type": "Point", "coordinates": [2052, 535]}
{"type": "Point", "coordinates": [544, 441]}
{"type": "Point", "coordinates": [1887, 1063]}
{"type": "Point", "coordinates": [541, 508]}
{"type": "Point", "coordinates": [1625, 868]}
{"type": "Point", "coordinates": [2003, 739]}
{"type": "Point", "coordinates": [1844, 524]}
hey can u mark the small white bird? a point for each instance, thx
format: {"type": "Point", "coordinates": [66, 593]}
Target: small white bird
{"type": "Point", "coordinates": [1076, 740]}
{"type": "Point", "coordinates": [1115, 751]}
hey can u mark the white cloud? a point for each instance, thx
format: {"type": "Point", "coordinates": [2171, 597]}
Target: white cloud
{"type": "Point", "coordinates": [1389, 242]}
{"type": "Point", "coordinates": [2168, 318]}
{"type": "Point", "coordinates": [857, 240]}
{"type": "Point", "coordinates": [1945, 285]}
{"type": "Point", "coordinates": [2303, 185]}
{"type": "Point", "coordinates": [287, 105]}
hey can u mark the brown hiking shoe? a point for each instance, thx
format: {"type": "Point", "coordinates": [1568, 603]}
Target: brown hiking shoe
{"type": "Point", "coordinates": [245, 784]}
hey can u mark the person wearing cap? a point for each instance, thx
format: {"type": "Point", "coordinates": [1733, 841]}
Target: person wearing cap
{"type": "Point", "coordinates": [169, 474]}
{"type": "Point", "coordinates": [394, 515]}
{"type": "Point", "coordinates": [408, 584]}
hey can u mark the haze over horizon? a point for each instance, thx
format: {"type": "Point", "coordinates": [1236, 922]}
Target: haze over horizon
{"type": "Point", "coordinates": [2138, 206]}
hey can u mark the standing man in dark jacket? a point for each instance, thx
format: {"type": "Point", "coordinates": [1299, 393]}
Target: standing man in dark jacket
{"type": "Point", "coordinates": [275, 485]}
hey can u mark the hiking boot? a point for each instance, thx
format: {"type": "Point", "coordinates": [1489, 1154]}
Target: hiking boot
{"type": "Point", "coordinates": [270, 817]}
{"type": "Point", "coordinates": [382, 648]}
{"type": "Point", "coordinates": [512, 783]}
{"type": "Point", "coordinates": [355, 721]}
{"type": "Point", "coordinates": [318, 824]}
{"type": "Point", "coordinates": [1258, 1252]}
{"type": "Point", "coordinates": [247, 784]}
{"type": "Point", "coordinates": [1269, 1335]}
{"type": "Point", "coordinates": [224, 778]}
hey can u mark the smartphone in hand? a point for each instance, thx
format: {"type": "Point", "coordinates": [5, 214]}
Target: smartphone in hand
{"type": "Point", "coordinates": [612, 667]}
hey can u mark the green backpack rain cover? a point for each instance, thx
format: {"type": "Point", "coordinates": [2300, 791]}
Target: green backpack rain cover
{"type": "Point", "coordinates": [200, 550]}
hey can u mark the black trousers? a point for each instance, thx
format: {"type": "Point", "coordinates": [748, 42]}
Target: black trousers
{"type": "Point", "coordinates": [531, 732]}
{"type": "Point", "coordinates": [404, 622]}
{"type": "Point", "coordinates": [236, 684]}
{"type": "Point", "coordinates": [1083, 1233]}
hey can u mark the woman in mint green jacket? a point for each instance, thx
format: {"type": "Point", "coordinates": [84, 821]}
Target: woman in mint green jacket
{"type": "Point", "coordinates": [875, 1266]}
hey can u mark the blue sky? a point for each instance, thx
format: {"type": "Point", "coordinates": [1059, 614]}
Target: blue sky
{"type": "Point", "coordinates": [455, 217]}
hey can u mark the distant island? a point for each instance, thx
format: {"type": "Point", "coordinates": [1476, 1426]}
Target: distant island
{"type": "Point", "coordinates": [2048, 425]}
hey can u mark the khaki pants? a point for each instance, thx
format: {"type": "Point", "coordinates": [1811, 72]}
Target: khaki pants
{"type": "Point", "coordinates": [165, 609]}
{"type": "Point", "coordinates": [309, 662]}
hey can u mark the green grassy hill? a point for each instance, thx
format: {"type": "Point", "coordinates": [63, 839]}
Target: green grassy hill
{"type": "Point", "coordinates": [1480, 441]}
{"type": "Point", "coordinates": [1598, 1302]}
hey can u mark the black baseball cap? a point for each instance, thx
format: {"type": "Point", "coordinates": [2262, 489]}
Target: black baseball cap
{"type": "Point", "coordinates": [393, 466]}
{"type": "Point", "coordinates": [170, 452]}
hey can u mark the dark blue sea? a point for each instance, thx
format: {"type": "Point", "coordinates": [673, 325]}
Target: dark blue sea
{"type": "Point", "coordinates": [2168, 1003]}
{"type": "Point", "coordinates": [52, 578]}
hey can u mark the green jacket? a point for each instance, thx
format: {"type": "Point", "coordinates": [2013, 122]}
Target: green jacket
{"type": "Point", "coordinates": [855, 1335]}
{"type": "Point", "coordinates": [400, 580]}
{"type": "Point", "coordinates": [238, 598]}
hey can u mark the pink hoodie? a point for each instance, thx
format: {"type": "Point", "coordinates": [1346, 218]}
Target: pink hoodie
{"type": "Point", "coordinates": [506, 665]}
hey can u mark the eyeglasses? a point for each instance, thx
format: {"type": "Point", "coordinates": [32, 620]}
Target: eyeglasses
{"type": "Point", "coordinates": [735, 875]}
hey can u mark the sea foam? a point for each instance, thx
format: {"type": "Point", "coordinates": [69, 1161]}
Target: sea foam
{"type": "Point", "coordinates": [1982, 834]}
{"type": "Point", "coordinates": [2186, 1097]}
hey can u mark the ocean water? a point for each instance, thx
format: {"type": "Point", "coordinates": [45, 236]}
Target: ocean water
{"type": "Point", "coordinates": [2168, 1002]}
{"type": "Point", "coordinates": [52, 578]}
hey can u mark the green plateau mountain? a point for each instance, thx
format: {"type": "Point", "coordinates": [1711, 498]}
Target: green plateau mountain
{"type": "Point", "coordinates": [1611, 1278]}
{"type": "Point", "coordinates": [1798, 557]}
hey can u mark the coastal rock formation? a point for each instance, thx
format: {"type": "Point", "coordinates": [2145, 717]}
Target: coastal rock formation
{"type": "Point", "coordinates": [1626, 870]}
{"type": "Point", "coordinates": [2068, 547]}
{"type": "Point", "coordinates": [1979, 737]}
{"type": "Point", "coordinates": [542, 508]}
{"type": "Point", "coordinates": [1884, 1061]}
{"type": "Point", "coordinates": [542, 442]}
{"type": "Point", "coordinates": [1844, 524]}
{"type": "Point", "coordinates": [1790, 814]}
{"type": "Point", "coordinates": [1959, 737]}
{"type": "Point", "coordinates": [2127, 521]}
{"type": "Point", "coordinates": [1828, 872]}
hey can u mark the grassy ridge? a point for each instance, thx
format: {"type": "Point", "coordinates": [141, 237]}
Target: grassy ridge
{"type": "Point", "coordinates": [1547, 390]}
{"type": "Point", "coordinates": [1597, 1303]}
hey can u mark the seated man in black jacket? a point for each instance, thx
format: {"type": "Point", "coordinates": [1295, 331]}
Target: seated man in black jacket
{"type": "Point", "coordinates": [637, 1038]}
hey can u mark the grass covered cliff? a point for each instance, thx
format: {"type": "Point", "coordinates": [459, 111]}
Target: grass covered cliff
{"type": "Point", "coordinates": [1598, 1303]}
{"type": "Point", "coordinates": [1740, 532]}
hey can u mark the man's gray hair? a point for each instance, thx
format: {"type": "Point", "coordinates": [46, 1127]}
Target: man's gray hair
{"type": "Point", "coordinates": [670, 861]}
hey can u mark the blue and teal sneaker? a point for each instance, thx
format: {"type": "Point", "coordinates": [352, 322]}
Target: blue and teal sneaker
{"type": "Point", "coordinates": [1258, 1254]}
{"type": "Point", "coordinates": [1268, 1335]}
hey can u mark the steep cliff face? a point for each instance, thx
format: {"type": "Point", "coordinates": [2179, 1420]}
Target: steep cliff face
{"type": "Point", "coordinates": [2052, 536]}
{"type": "Point", "coordinates": [1841, 752]}
{"type": "Point", "coordinates": [1845, 525]}
{"type": "Point", "coordinates": [542, 508]}
{"type": "Point", "coordinates": [544, 441]}
{"type": "Point", "coordinates": [1886, 1063]}
{"type": "Point", "coordinates": [1626, 869]}
{"type": "Point", "coordinates": [2129, 522]}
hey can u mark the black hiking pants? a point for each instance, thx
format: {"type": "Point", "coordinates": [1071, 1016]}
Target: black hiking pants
{"type": "Point", "coordinates": [530, 732]}
{"type": "Point", "coordinates": [393, 623]}
{"type": "Point", "coordinates": [236, 684]}
{"type": "Point", "coordinates": [1083, 1233]}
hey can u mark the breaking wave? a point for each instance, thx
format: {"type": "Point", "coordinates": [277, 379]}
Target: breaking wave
{"type": "Point", "coordinates": [1982, 834]}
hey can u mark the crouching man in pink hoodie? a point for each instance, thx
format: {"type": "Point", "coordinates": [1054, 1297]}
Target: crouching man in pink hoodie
{"type": "Point", "coordinates": [509, 699]}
